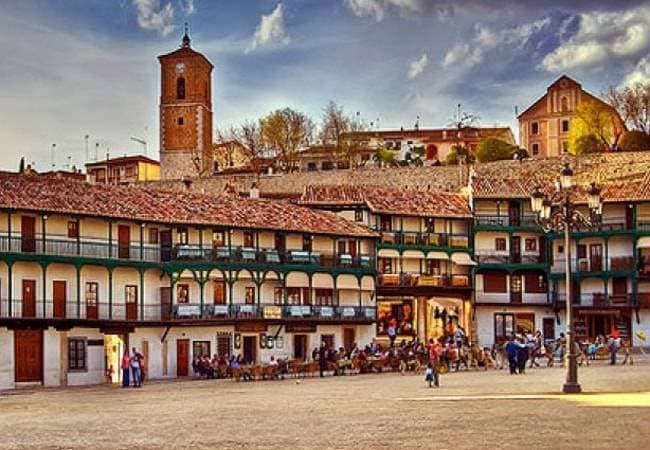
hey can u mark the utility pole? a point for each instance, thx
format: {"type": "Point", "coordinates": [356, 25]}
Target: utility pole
{"type": "Point", "coordinates": [52, 156]}
{"type": "Point", "coordinates": [86, 137]}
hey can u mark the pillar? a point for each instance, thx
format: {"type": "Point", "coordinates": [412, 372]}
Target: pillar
{"type": "Point", "coordinates": [421, 308]}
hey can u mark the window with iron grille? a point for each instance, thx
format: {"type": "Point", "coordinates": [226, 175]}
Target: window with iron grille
{"type": "Point", "coordinates": [76, 354]}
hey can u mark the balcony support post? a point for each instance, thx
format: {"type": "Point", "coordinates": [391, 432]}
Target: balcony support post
{"type": "Point", "coordinates": [44, 273]}
{"type": "Point", "coordinates": [44, 233]}
{"type": "Point", "coordinates": [142, 225]}
{"type": "Point", "coordinates": [78, 268]}
{"type": "Point", "coordinates": [142, 296]}
{"type": "Point", "coordinates": [78, 236]}
{"type": "Point", "coordinates": [360, 296]}
{"type": "Point", "coordinates": [10, 286]}
{"type": "Point", "coordinates": [110, 238]}
{"type": "Point", "coordinates": [110, 290]}
{"type": "Point", "coordinates": [335, 293]}
{"type": "Point", "coordinates": [9, 232]}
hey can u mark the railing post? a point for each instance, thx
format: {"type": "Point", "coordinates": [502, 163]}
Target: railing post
{"type": "Point", "coordinates": [10, 287]}
{"type": "Point", "coordinates": [142, 225]}
{"type": "Point", "coordinates": [9, 230]}
{"type": "Point", "coordinates": [110, 291]}
{"type": "Point", "coordinates": [142, 296]}
{"type": "Point", "coordinates": [43, 232]}
{"type": "Point", "coordinates": [78, 267]}
{"type": "Point", "coordinates": [44, 270]}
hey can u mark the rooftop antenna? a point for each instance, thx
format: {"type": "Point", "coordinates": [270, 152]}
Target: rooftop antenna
{"type": "Point", "coordinates": [143, 142]}
{"type": "Point", "coordinates": [96, 151]}
{"type": "Point", "coordinates": [52, 156]}
{"type": "Point", "coordinates": [68, 163]}
{"type": "Point", "coordinates": [86, 137]}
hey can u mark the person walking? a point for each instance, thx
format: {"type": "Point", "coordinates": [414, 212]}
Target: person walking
{"type": "Point", "coordinates": [322, 358]}
{"type": "Point", "coordinates": [392, 332]}
{"type": "Point", "coordinates": [429, 375]}
{"type": "Point", "coordinates": [522, 356]}
{"type": "Point", "coordinates": [126, 367]}
{"type": "Point", "coordinates": [136, 360]}
{"type": "Point", "coordinates": [434, 360]}
{"type": "Point", "coordinates": [511, 351]}
{"type": "Point", "coordinates": [613, 349]}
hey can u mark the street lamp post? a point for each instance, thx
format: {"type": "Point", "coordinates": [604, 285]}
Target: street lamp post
{"type": "Point", "coordinates": [558, 214]}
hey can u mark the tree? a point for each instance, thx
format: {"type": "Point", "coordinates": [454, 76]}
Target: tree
{"type": "Point", "coordinates": [633, 104]}
{"type": "Point", "coordinates": [587, 143]}
{"type": "Point", "coordinates": [493, 149]}
{"type": "Point", "coordinates": [458, 152]}
{"type": "Point", "coordinates": [386, 157]}
{"type": "Point", "coordinates": [335, 125]}
{"type": "Point", "coordinates": [286, 131]}
{"type": "Point", "coordinates": [460, 121]}
{"type": "Point", "coordinates": [414, 157]}
{"type": "Point", "coordinates": [635, 141]}
{"type": "Point", "coordinates": [596, 119]}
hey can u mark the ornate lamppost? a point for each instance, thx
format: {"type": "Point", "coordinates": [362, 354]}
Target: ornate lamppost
{"type": "Point", "coordinates": [558, 214]}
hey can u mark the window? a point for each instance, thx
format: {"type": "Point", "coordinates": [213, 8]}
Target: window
{"type": "Point", "coordinates": [560, 248]}
{"type": "Point", "coordinates": [224, 343]}
{"type": "Point", "coordinates": [219, 292]}
{"type": "Point", "coordinates": [504, 326]}
{"type": "Point", "coordinates": [500, 244]}
{"type": "Point", "coordinates": [324, 297]}
{"type": "Point", "coordinates": [385, 223]}
{"type": "Point", "coordinates": [293, 295]}
{"type": "Point", "coordinates": [182, 293]}
{"type": "Point", "coordinates": [306, 242]}
{"type": "Point", "coordinates": [530, 244]}
{"type": "Point", "coordinates": [76, 354]}
{"type": "Point", "coordinates": [534, 127]}
{"type": "Point", "coordinates": [153, 236]}
{"type": "Point", "coordinates": [327, 165]}
{"type": "Point", "coordinates": [582, 251]}
{"type": "Point", "coordinates": [180, 121]}
{"type": "Point", "coordinates": [131, 294]}
{"type": "Point", "coordinates": [73, 229]}
{"type": "Point", "coordinates": [328, 339]}
{"type": "Point", "coordinates": [92, 289]}
{"type": "Point", "coordinates": [311, 167]}
{"type": "Point", "coordinates": [358, 215]}
{"type": "Point", "coordinates": [564, 104]}
{"type": "Point", "coordinates": [494, 282]}
{"type": "Point", "coordinates": [249, 239]}
{"type": "Point", "coordinates": [535, 283]}
{"type": "Point", "coordinates": [218, 238]}
{"type": "Point", "coordinates": [565, 126]}
{"type": "Point", "coordinates": [342, 247]}
{"type": "Point", "coordinates": [386, 265]}
{"type": "Point", "coordinates": [535, 149]}
{"type": "Point", "coordinates": [180, 88]}
{"type": "Point", "coordinates": [182, 236]}
{"type": "Point", "coordinates": [249, 298]}
{"type": "Point", "coordinates": [278, 298]}
{"type": "Point", "coordinates": [565, 146]}
{"type": "Point", "coordinates": [430, 224]}
{"type": "Point", "coordinates": [432, 267]}
{"type": "Point", "coordinates": [201, 348]}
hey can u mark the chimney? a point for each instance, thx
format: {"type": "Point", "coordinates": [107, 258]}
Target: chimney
{"type": "Point", "coordinates": [254, 192]}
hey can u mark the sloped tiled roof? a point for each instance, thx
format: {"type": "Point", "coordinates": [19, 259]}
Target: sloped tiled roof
{"type": "Point", "coordinates": [397, 201]}
{"type": "Point", "coordinates": [48, 195]}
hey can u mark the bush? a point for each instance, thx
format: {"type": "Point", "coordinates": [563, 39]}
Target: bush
{"type": "Point", "coordinates": [456, 151]}
{"type": "Point", "coordinates": [635, 141]}
{"type": "Point", "coordinates": [493, 149]}
{"type": "Point", "coordinates": [588, 143]}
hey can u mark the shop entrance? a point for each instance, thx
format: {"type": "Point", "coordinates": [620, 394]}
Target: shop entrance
{"type": "Point", "coordinates": [300, 347]}
{"type": "Point", "coordinates": [250, 349]}
{"type": "Point", "coordinates": [445, 315]}
{"type": "Point", "coordinates": [114, 347]}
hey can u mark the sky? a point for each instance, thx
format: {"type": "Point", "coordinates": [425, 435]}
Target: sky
{"type": "Point", "coordinates": [76, 68]}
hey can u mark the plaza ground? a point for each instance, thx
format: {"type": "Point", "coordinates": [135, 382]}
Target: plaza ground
{"type": "Point", "coordinates": [471, 410]}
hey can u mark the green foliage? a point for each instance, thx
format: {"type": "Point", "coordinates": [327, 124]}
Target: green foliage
{"type": "Point", "coordinates": [414, 157]}
{"type": "Point", "coordinates": [386, 157]}
{"type": "Point", "coordinates": [635, 141]}
{"type": "Point", "coordinates": [456, 151]}
{"type": "Point", "coordinates": [493, 149]}
{"type": "Point", "coordinates": [587, 143]}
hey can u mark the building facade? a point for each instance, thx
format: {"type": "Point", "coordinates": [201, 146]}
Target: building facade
{"type": "Point", "coordinates": [89, 271]}
{"type": "Point", "coordinates": [185, 113]}
{"type": "Point", "coordinates": [544, 126]}
{"type": "Point", "coordinates": [124, 170]}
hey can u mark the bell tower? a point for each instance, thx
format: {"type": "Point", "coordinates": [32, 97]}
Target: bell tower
{"type": "Point", "coordinates": [185, 112]}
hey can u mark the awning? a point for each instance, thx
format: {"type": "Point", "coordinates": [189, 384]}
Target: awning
{"type": "Point", "coordinates": [297, 279]}
{"type": "Point", "coordinates": [322, 281]}
{"type": "Point", "coordinates": [462, 259]}
{"type": "Point", "coordinates": [388, 253]}
{"type": "Point", "coordinates": [347, 282]}
{"type": "Point", "coordinates": [367, 283]}
{"type": "Point", "coordinates": [416, 254]}
{"type": "Point", "coordinates": [644, 242]}
{"type": "Point", "coordinates": [437, 255]}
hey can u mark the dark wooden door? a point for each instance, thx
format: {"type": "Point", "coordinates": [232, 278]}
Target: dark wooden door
{"type": "Point", "coordinates": [124, 242]}
{"type": "Point", "coordinates": [250, 349]}
{"type": "Point", "coordinates": [28, 353]}
{"type": "Point", "coordinates": [131, 300]}
{"type": "Point", "coordinates": [542, 249]}
{"type": "Point", "coordinates": [29, 298]}
{"type": "Point", "coordinates": [182, 357]}
{"type": "Point", "coordinates": [514, 214]}
{"type": "Point", "coordinates": [165, 302]}
{"type": "Point", "coordinates": [299, 347]}
{"type": "Point", "coordinates": [28, 234]}
{"type": "Point", "coordinates": [515, 249]}
{"type": "Point", "coordinates": [166, 245]}
{"type": "Point", "coordinates": [515, 288]}
{"type": "Point", "coordinates": [92, 298]}
{"type": "Point", "coordinates": [59, 296]}
{"type": "Point", "coordinates": [548, 328]}
{"type": "Point", "coordinates": [348, 338]}
{"type": "Point", "coordinates": [629, 217]}
{"type": "Point", "coordinates": [596, 257]}
{"type": "Point", "coordinates": [620, 290]}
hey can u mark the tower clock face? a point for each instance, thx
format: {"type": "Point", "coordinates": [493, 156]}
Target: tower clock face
{"type": "Point", "coordinates": [180, 67]}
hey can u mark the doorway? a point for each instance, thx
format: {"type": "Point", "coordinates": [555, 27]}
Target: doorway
{"type": "Point", "coordinates": [300, 347]}
{"type": "Point", "coordinates": [28, 234]}
{"type": "Point", "coordinates": [515, 288]}
{"type": "Point", "coordinates": [124, 242]}
{"type": "Point", "coordinates": [182, 357]}
{"type": "Point", "coordinates": [114, 347]}
{"type": "Point", "coordinates": [59, 297]}
{"type": "Point", "coordinates": [596, 257]}
{"type": "Point", "coordinates": [29, 298]}
{"type": "Point", "coordinates": [165, 302]}
{"type": "Point", "coordinates": [28, 350]}
{"type": "Point", "coordinates": [166, 245]}
{"type": "Point", "coordinates": [250, 349]}
{"type": "Point", "coordinates": [515, 249]}
{"type": "Point", "coordinates": [514, 214]}
{"type": "Point", "coordinates": [548, 328]}
{"type": "Point", "coordinates": [348, 338]}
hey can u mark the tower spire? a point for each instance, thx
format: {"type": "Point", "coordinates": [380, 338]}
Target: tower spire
{"type": "Point", "coordinates": [186, 37]}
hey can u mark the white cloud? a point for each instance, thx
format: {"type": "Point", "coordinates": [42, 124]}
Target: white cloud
{"type": "Point", "coordinates": [640, 74]}
{"type": "Point", "coordinates": [600, 37]}
{"type": "Point", "coordinates": [486, 40]}
{"type": "Point", "coordinates": [153, 17]}
{"type": "Point", "coordinates": [418, 66]}
{"type": "Point", "coordinates": [378, 9]}
{"type": "Point", "coordinates": [188, 7]}
{"type": "Point", "coordinates": [367, 8]}
{"type": "Point", "coordinates": [271, 32]}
